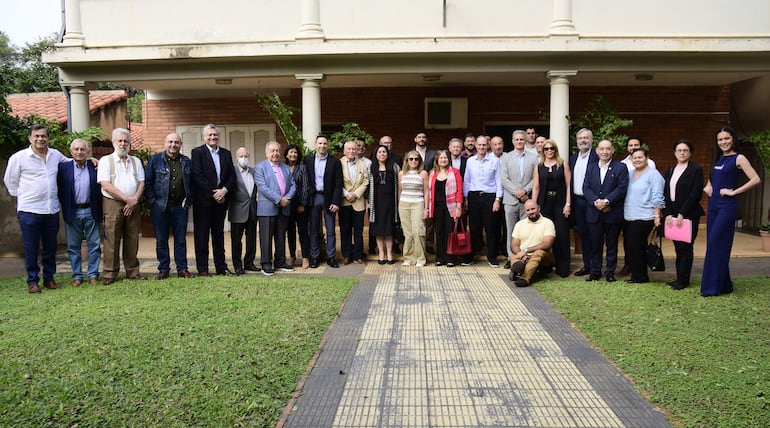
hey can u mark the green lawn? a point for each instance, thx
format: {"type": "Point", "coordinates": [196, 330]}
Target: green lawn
{"type": "Point", "coordinates": [704, 360]}
{"type": "Point", "coordinates": [201, 352]}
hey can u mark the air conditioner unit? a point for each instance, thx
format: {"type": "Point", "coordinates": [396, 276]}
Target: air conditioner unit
{"type": "Point", "coordinates": [446, 113]}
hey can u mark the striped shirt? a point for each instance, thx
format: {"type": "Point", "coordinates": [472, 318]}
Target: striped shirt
{"type": "Point", "coordinates": [411, 187]}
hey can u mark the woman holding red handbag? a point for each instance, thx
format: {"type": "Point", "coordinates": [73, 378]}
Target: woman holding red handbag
{"type": "Point", "coordinates": [445, 202]}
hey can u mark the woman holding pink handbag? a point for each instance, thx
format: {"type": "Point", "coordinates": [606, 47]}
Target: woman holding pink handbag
{"type": "Point", "coordinates": [445, 202]}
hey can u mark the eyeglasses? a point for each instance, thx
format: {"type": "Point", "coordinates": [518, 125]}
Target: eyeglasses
{"type": "Point", "coordinates": [413, 159]}
{"type": "Point", "coordinates": [549, 149]}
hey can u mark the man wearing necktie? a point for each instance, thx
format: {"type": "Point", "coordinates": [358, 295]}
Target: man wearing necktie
{"type": "Point", "coordinates": [276, 188]}
{"type": "Point", "coordinates": [213, 177]}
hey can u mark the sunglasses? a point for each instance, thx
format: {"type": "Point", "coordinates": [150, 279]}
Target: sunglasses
{"type": "Point", "coordinates": [413, 159]}
{"type": "Point", "coordinates": [549, 149]}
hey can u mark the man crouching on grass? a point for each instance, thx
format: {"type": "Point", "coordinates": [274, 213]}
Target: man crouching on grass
{"type": "Point", "coordinates": [531, 243]}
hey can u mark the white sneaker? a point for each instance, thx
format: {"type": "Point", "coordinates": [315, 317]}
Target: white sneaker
{"type": "Point", "coordinates": [406, 263]}
{"type": "Point", "coordinates": [419, 265]}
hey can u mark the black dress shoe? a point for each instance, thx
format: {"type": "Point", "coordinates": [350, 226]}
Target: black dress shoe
{"type": "Point", "coordinates": [240, 272]}
{"type": "Point", "coordinates": [381, 262]}
{"type": "Point", "coordinates": [592, 278]}
{"type": "Point", "coordinates": [678, 286]}
{"type": "Point", "coordinates": [204, 274]}
{"type": "Point", "coordinates": [507, 265]}
{"type": "Point", "coordinates": [252, 268]}
{"type": "Point", "coordinates": [226, 272]}
{"type": "Point", "coordinates": [636, 281]}
{"type": "Point", "coordinates": [581, 272]}
{"type": "Point", "coordinates": [332, 263]}
{"type": "Point", "coordinates": [391, 262]}
{"type": "Point", "coordinates": [314, 263]}
{"type": "Point", "coordinates": [610, 278]}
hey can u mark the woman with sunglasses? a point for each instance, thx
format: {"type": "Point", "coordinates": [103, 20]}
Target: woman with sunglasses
{"type": "Point", "coordinates": [382, 200]}
{"type": "Point", "coordinates": [445, 203]}
{"type": "Point", "coordinates": [549, 188]}
{"type": "Point", "coordinates": [412, 208]}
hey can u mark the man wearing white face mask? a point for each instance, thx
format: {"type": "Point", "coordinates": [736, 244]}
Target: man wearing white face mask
{"type": "Point", "coordinates": [243, 214]}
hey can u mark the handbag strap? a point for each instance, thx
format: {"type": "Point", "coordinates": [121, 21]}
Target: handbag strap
{"type": "Point", "coordinates": [459, 221]}
{"type": "Point", "coordinates": [651, 238]}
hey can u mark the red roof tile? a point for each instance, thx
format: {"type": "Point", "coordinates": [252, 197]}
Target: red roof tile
{"type": "Point", "coordinates": [137, 134]}
{"type": "Point", "coordinates": [53, 105]}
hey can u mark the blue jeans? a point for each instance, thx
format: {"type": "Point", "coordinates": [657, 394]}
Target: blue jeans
{"type": "Point", "coordinates": [37, 228]}
{"type": "Point", "coordinates": [83, 226]}
{"type": "Point", "coordinates": [174, 218]}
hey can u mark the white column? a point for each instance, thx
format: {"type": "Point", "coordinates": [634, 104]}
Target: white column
{"type": "Point", "coordinates": [561, 21]}
{"type": "Point", "coordinates": [73, 31]}
{"type": "Point", "coordinates": [311, 106]}
{"type": "Point", "coordinates": [311, 20]}
{"type": "Point", "coordinates": [559, 131]}
{"type": "Point", "coordinates": [81, 114]}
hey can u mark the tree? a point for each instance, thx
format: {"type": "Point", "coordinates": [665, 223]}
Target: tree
{"type": "Point", "coordinates": [605, 123]}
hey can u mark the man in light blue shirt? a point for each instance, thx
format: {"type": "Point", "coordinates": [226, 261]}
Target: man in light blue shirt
{"type": "Point", "coordinates": [483, 193]}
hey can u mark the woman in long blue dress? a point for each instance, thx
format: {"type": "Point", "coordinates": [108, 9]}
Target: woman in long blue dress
{"type": "Point", "coordinates": [722, 212]}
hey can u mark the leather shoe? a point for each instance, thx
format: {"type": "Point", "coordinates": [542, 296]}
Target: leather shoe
{"type": "Point", "coordinates": [582, 272]}
{"type": "Point", "coordinates": [205, 274]}
{"type": "Point", "coordinates": [507, 265]}
{"type": "Point", "coordinates": [240, 271]}
{"type": "Point", "coordinates": [521, 283]}
{"type": "Point", "coordinates": [93, 281]}
{"type": "Point", "coordinates": [391, 262]}
{"type": "Point", "coordinates": [314, 263]}
{"type": "Point", "coordinates": [161, 275]}
{"type": "Point", "coordinates": [592, 278]}
{"type": "Point", "coordinates": [51, 285]}
{"type": "Point", "coordinates": [345, 261]}
{"type": "Point", "coordinates": [332, 263]}
{"type": "Point", "coordinates": [226, 272]}
{"type": "Point", "coordinates": [33, 288]}
{"type": "Point", "coordinates": [678, 286]}
{"type": "Point", "coordinates": [107, 281]}
{"type": "Point", "coordinates": [359, 261]}
{"type": "Point", "coordinates": [184, 274]}
{"type": "Point", "coordinates": [252, 268]}
{"type": "Point", "coordinates": [77, 282]}
{"type": "Point", "coordinates": [381, 262]}
{"type": "Point", "coordinates": [636, 281]}
{"type": "Point", "coordinates": [611, 278]}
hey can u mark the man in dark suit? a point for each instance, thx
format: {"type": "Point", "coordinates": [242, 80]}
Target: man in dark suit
{"type": "Point", "coordinates": [578, 164]}
{"type": "Point", "coordinates": [457, 159]}
{"type": "Point", "coordinates": [276, 188]}
{"type": "Point", "coordinates": [81, 205]}
{"type": "Point", "coordinates": [325, 196]}
{"type": "Point", "coordinates": [213, 177]}
{"type": "Point", "coordinates": [605, 191]}
{"type": "Point", "coordinates": [243, 214]}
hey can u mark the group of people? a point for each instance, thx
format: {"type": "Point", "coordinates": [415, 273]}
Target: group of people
{"type": "Point", "coordinates": [518, 204]}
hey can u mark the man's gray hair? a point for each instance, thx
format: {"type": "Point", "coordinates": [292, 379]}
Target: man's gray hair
{"type": "Point", "coordinates": [80, 140]}
{"type": "Point", "coordinates": [582, 130]}
{"type": "Point", "coordinates": [270, 144]}
{"type": "Point", "coordinates": [209, 126]}
{"type": "Point", "coordinates": [518, 131]}
{"type": "Point", "coordinates": [119, 131]}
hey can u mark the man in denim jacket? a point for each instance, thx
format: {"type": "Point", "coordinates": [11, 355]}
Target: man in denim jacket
{"type": "Point", "coordinates": [167, 191]}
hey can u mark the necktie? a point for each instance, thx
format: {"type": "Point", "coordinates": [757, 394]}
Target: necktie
{"type": "Point", "coordinates": [279, 177]}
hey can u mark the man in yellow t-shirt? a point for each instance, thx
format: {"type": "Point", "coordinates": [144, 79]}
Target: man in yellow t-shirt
{"type": "Point", "coordinates": [531, 243]}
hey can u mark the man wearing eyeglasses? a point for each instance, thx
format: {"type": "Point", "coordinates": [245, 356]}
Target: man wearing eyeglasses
{"type": "Point", "coordinates": [517, 174]}
{"type": "Point", "coordinates": [483, 193]}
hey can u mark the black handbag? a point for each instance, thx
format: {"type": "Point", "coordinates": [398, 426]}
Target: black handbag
{"type": "Point", "coordinates": [655, 254]}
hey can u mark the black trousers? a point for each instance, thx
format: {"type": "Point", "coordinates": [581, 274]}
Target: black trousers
{"type": "Point", "coordinates": [483, 221]}
{"type": "Point", "coordinates": [209, 220]}
{"type": "Point", "coordinates": [604, 233]}
{"type": "Point", "coordinates": [580, 206]}
{"type": "Point", "coordinates": [272, 229]}
{"type": "Point", "coordinates": [298, 227]}
{"type": "Point", "coordinates": [684, 255]}
{"type": "Point", "coordinates": [352, 232]}
{"type": "Point", "coordinates": [635, 235]}
{"type": "Point", "coordinates": [443, 224]}
{"type": "Point", "coordinates": [552, 210]}
{"type": "Point", "coordinates": [236, 234]}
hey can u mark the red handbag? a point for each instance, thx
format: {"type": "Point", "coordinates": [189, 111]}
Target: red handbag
{"type": "Point", "coordinates": [459, 243]}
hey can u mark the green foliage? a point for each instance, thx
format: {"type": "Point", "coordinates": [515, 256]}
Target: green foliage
{"type": "Point", "coordinates": [134, 102]}
{"type": "Point", "coordinates": [604, 121]}
{"type": "Point", "coordinates": [214, 352]}
{"type": "Point", "coordinates": [761, 142]}
{"type": "Point", "coordinates": [702, 359]}
{"type": "Point", "coordinates": [283, 114]}
{"type": "Point", "coordinates": [58, 138]}
{"type": "Point", "coordinates": [350, 132]}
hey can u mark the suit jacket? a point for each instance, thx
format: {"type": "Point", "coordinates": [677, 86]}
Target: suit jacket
{"type": "Point", "coordinates": [204, 175]}
{"type": "Point", "coordinates": [243, 208]}
{"type": "Point", "coordinates": [430, 156]}
{"type": "Point", "coordinates": [513, 179]}
{"type": "Point", "coordinates": [66, 181]}
{"type": "Point", "coordinates": [464, 162]}
{"type": "Point", "coordinates": [270, 190]}
{"type": "Point", "coordinates": [356, 185]}
{"type": "Point", "coordinates": [688, 192]}
{"type": "Point", "coordinates": [613, 189]}
{"type": "Point", "coordinates": [332, 180]}
{"type": "Point", "coordinates": [592, 158]}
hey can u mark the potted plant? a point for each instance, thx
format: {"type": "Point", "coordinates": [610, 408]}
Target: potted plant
{"type": "Point", "coordinates": [350, 132]}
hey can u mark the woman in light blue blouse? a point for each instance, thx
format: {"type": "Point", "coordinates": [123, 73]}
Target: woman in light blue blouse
{"type": "Point", "coordinates": [641, 210]}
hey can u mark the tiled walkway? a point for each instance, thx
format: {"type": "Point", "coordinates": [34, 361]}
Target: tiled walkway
{"type": "Point", "coordinates": [439, 347]}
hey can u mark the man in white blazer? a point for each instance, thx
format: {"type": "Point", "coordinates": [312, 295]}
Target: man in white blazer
{"type": "Point", "coordinates": [517, 172]}
{"type": "Point", "coordinates": [355, 181]}
{"type": "Point", "coordinates": [276, 188]}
